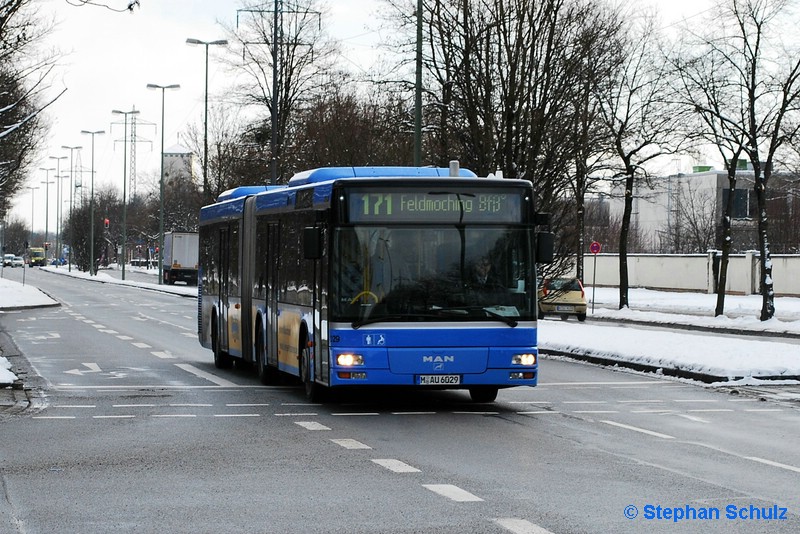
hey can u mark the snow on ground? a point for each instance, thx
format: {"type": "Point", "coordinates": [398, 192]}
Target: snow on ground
{"type": "Point", "coordinates": [744, 358]}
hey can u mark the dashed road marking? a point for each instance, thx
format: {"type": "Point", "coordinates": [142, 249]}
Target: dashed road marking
{"type": "Point", "coordinates": [396, 465]}
{"type": "Point", "coordinates": [454, 493]}
{"type": "Point", "coordinates": [350, 444]}
{"type": "Point", "coordinates": [202, 374]}
{"type": "Point", "coordinates": [637, 429]}
{"type": "Point", "coordinates": [311, 425]}
{"type": "Point", "coordinates": [520, 526]}
{"type": "Point", "coordinates": [773, 464]}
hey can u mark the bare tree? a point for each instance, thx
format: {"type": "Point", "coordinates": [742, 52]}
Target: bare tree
{"type": "Point", "coordinates": [766, 78]}
{"type": "Point", "coordinates": [25, 75]}
{"type": "Point", "coordinates": [285, 60]}
{"type": "Point", "coordinates": [636, 109]}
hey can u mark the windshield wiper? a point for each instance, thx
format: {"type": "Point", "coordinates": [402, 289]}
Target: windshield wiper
{"type": "Point", "coordinates": [382, 318]}
{"type": "Point", "coordinates": [510, 321]}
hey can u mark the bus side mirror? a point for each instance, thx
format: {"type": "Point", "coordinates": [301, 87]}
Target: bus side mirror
{"type": "Point", "coordinates": [312, 243]}
{"type": "Point", "coordinates": [544, 247]}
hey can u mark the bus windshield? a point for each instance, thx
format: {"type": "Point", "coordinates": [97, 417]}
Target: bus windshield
{"type": "Point", "coordinates": [431, 273]}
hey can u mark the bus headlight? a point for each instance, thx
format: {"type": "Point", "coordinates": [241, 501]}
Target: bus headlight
{"type": "Point", "coordinates": [524, 359]}
{"type": "Point", "coordinates": [348, 359]}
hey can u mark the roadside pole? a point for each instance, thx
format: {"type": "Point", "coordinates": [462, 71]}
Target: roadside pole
{"type": "Point", "coordinates": [594, 248]}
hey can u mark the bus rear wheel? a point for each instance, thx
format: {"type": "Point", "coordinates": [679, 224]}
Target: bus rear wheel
{"type": "Point", "coordinates": [313, 391]}
{"type": "Point", "coordinates": [266, 373]}
{"type": "Point", "coordinates": [221, 358]}
{"type": "Point", "coordinates": [483, 394]}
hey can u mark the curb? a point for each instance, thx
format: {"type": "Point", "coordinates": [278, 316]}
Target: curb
{"type": "Point", "coordinates": [662, 371]}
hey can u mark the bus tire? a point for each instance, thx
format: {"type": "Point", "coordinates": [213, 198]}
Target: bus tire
{"type": "Point", "coordinates": [221, 359]}
{"type": "Point", "coordinates": [266, 373]}
{"type": "Point", "coordinates": [313, 391]}
{"type": "Point", "coordinates": [483, 393]}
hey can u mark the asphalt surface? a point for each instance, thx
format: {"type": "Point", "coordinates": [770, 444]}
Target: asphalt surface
{"type": "Point", "coordinates": [17, 397]}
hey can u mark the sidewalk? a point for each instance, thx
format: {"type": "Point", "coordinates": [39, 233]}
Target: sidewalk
{"type": "Point", "coordinates": [677, 336]}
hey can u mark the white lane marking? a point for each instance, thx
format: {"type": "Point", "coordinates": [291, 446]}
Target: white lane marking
{"type": "Point", "coordinates": [692, 418]}
{"type": "Point", "coordinates": [355, 413]}
{"type": "Point", "coordinates": [98, 326]}
{"type": "Point", "coordinates": [396, 465]}
{"type": "Point", "coordinates": [538, 412]}
{"type": "Point", "coordinates": [189, 334]}
{"type": "Point", "coordinates": [744, 400]}
{"type": "Point", "coordinates": [202, 374]}
{"type": "Point", "coordinates": [245, 404]}
{"type": "Point", "coordinates": [140, 345]}
{"type": "Point", "coordinates": [133, 405]}
{"type": "Point", "coordinates": [189, 405]}
{"type": "Point", "coordinates": [124, 338]}
{"type": "Point", "coordinates": [113, 416]}
{"type": "Point", "coordinates": [651, 382]}
{"type": "Point", "coordinates": [311, 425]}
{"type": "Point", "coordinates": [307, 414]}
{"type": "Point", "coordinates": [520, 526]}
{"type": "Point", "coordinates": [655, 410]}
{"type": "Point", "coordinates": [476, 413]}
{"type": "Point", "coordinates": [773, 464]}
{"type": "Point", "coordinates": [107, 331]}
{"type": "Point", "coordinates": [595, 411]}
{"type": "Point", "coordinates": [637, 429]}
{"type": "Point", "coordinates": [413, 413]}
{"type": "Point", "coordinates": [696, 400]}
{"type": "Point", "coordinates": [348, 443]}
{"type": "Point", "coordinates": [174, 415]}
{"type": "Point", "coordinates": [163, 355]}
{"type": "Point", "coordinates": [711, 410]}
{"type": "Point", "coordinates": [73, 406]}
{"type": "Point", "coordinates": [644, 401]}
{"type": "Point", "coordinates": [53, 417]}
{"type": "Point", "coordinates": [454, 493]}
{"type": "Point", "coordinates": [763, 410]}
{"type": "Point", "coordinates": [585, 402]}
{"type": "Point", "coordinates": [237, 415]}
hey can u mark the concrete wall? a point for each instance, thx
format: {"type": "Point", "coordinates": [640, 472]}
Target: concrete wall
{"type": "Point", "coordinates": [695, 272]}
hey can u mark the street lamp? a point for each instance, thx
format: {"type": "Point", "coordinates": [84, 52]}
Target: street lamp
{"type": "Point", "coordinates": [58, 202]}
{"type": "Point", "coordinates": [124, 186]}
{"type": "Point", "coordinates": [205, 106]}
{"type": "Point", "coordinates": [31, 189]}
{"type": "Point", "coordinates": [92, 270]}
{"type": "Point", "coordinates": [47, 183]}
{"type": "Point", "coordinates": [71, 191]}
{"type": "Point", "coordinates": [161, 181]}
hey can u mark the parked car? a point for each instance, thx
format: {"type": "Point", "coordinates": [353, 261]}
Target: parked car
{"type": "Point", "coordinates": [562, 297]}
{"type": "Point", "coordinates": [8, 260]}
{"type": "Point", "coordinates": [18, 262]}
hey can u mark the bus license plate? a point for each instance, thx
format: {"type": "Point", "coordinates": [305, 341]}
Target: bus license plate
{"type": "Point", "coordinates": [439, 380]}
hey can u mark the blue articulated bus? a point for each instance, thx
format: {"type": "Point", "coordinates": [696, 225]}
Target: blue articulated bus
{"type": "Point", "coordinates": [375, 276]}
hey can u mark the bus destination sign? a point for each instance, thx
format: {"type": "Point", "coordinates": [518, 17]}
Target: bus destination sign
{"type": "Point", "coordinates": [387, 205]}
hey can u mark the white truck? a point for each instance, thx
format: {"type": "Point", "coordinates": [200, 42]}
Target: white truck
{"type": "Point", "coordinates": [180, 257]}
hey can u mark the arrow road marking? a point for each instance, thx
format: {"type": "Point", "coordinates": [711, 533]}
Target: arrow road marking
{"type": "Point", "coordinates": [93, 368]}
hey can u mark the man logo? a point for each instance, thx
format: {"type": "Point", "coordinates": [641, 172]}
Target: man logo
{"type": "Point", "coordinates": [438, 359]}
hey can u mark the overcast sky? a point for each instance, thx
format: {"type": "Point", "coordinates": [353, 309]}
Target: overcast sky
{"type": "Point", "coordinates": [110, 58]}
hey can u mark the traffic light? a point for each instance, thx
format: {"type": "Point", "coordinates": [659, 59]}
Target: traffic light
{"type": "Point", "coordinates": [105, 223]}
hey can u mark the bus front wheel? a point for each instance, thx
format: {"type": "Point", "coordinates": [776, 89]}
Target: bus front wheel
{"type": "Point", "coordinates": [483, 394]}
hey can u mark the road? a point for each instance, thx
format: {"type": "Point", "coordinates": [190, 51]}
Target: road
{"type": "Point", "coordinates": [134, 430]}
